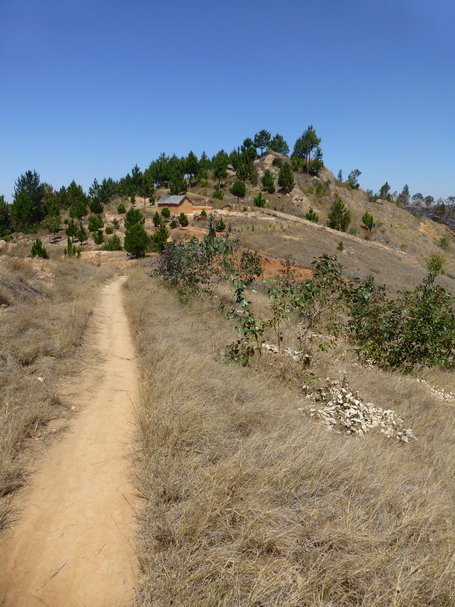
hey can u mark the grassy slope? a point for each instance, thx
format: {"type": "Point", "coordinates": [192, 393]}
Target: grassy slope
{"type": "Point", "coordinates": [249, 501]}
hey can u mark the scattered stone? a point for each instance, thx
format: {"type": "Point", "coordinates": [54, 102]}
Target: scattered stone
{"type": "Point", "coordinates": [345, 412]}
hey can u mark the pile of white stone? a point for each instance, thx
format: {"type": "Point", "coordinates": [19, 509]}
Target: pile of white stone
{"type": "Point", "coordinates": [345, 412]}
{"type": "Point", "coordinates": [294, 354]}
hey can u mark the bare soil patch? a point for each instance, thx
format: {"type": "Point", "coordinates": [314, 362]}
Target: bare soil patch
{"type": "Point", "coordinates": [73, 544]}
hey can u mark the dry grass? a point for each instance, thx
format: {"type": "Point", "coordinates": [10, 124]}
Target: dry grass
{"type": "Point", "coordinates": [249, 501]}
{"type": "Point", "coordinates": [46, 307]}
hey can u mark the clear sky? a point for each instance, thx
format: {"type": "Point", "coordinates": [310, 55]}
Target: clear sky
{"type": "Point", "coordinates": [89, 88]}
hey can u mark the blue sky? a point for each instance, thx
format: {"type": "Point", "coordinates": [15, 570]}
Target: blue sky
{"type": "Point", "coordinates": [90, 88]}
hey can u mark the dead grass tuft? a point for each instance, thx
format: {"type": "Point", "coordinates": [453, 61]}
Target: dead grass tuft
{"type": "Point", "coordinates": [249, 501]}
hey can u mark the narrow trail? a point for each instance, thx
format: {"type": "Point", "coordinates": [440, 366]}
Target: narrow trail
{"type": "Point", "coordinates": [73, 543]}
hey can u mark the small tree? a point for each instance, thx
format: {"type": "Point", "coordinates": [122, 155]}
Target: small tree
{"type": "Point", "coordinates": [38, 250]}
{"type": "Point", "coordinates": [339, 216]}
{"type": "Point", "coordinates": [113, 244]}
{"type": "Point", "coordinates": [262, 140]}
{"type": "Point", "coordinates": [286, 177]}
{"type": "Point", "coordinates": [52, 223]}
{"type": "Point", "coordinates": [95, 222]}
{"type": "Point", "coordinates": [133, 216]}
{"type": "Point", "coordinates": [121, 208]}
{"type": "Point", "coordinates": [268, 183]}
{"type": "Point", "coordinates": [353, 179]}
{"type": "Point", "coordinates": [368, 221]}
{"type": "Point", "coordinates": [98, 237]}
{"type": "Point", "coordinates": [157, 221]}
{"type": "Point", "coordinates": [238, 189]}
{"type": "Point", "coordinates": [218, 193]}
{"type": "Point", "coordinates": [71, 229]}
{"type": "Point", "coordinates": [160, 238]}
{"type": "Point", "coordinates": [312, 215]}
{"type": "Point", "coordinates": [183, 220]}
{"type": "Point", "coordinates": [165, 212]}
{"type": "Point", "coordinates": [278, 144]}
{"type": "Point", "coordinates": [136, 240]}
{"type": "Point", "coordinates": [82, 234]}
{"type": "Point", "coordinates": [71, 250]}
{"type": "Point", "coordinates": [259, 200]}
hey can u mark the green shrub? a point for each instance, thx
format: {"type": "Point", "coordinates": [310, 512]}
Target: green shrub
{"type": "Point", "coordinates": [183, 220]}
{"type": "Point", "coordinates": [173, 224]}
{"type": "Point", "coordinates": [340, 246]}
{"type": "Point", "coordinates": [157, 221]}
{"type": "Point", "coordinates": [220, 226]}
{"type": "Point", "coordinates": [113, 244]}
{"type": "Point", "coordinates": [312, 215]}
{"type": "Point", "coordinates": [259, 200]}
{"type": "Point", "coordinates": [339, 216]}
{"type": "Point", "coordinates": [203, 213]}
{"type": "Point", "coordinates": [218, 193]}
{"type": "Point", "coordinates": [159, 239]}
{"type": "Point", "coordinates": [121, 208]}
{"type": "Point", "coordinates": [443, 243]}
{"type": "Point", "coordinates": [38, 250]}
{"type": "Point", "coordinates": [98, 237]}
{"type": "Point", "coordinates": [109, 229]}
{"type": "Point", "coordinates": [368, 221]}
{"type": "Point", "coordinates": [95, 222]}
{"type": "Point", "coordinates": [165, 212]}
{"type": "Point", "coordinates": [71, 250]}
{"type": "Point", "coordinates": [132, 217]}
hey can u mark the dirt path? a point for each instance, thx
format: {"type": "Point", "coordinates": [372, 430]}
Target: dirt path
{"type": "Point", "coordinates": [72, 546]}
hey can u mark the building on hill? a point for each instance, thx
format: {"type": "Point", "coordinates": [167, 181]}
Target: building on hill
{"type": "Point", "coordinates": [180, 204]}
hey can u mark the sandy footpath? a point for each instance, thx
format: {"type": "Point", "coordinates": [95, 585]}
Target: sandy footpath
{"type": "Point", "coordinates": [73, 543]}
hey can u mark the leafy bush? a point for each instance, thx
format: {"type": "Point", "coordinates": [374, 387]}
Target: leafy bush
{"type": "Point", "coordinates": [220, 226]}
{"type": "Point", "coordinates": [340, 246]}
{"type": "Point", "coordinates": [121, 208]}
{"type": "Point", "coordinates": [174, 224]}
{"type": "Point", "coordinates": [157, 221]}
{"type": "Point", "coordinates": [113, 244]}
{"type": "Point", "coordinates": [268, 183]}
{"type": "Point", "coordinates": [159, 239]}
{"type": "Point", "coordinates": [368, 221]}
{"type": "Point", "coordinates": [109, 229]}
{"type": "Point", "coordinates": [238, 189]}
{"type": "Point", "coordinates": [203, 213]}
{"type": "Point", "coordinates": [38, 250]}
{"type": "Point", "coordinates": [165, 212]}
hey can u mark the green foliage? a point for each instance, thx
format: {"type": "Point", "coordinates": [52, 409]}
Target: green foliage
{"type": "Point", "coordinates": [339, 216]}
{"type": "Point", "coordinates": [71, 250]}
{"type": "Point", "coordinates": [132, 217]}
{"type": "Point", "coordinates": [81, 234]}
{"type": "Point", "coordinates": [95, 223]}
{"type": "Point", "coordinates": [340, 246]}
{"type": "Point", "coordinates": [98, 237]}
{"type": "Point", "coordinates": [157, 220]}
{"type": "Point", "coordinates": [417, 328]}
{"type": "Point", "coordinates": [218, 193]}
{"type": "Point", "coordinates": [23, 211]}
{"type": "Point", "coordinates": [368, 221]}
{"type": "Point", "coordinates": [136, 240]}
{"type": "Point", "coordinates": [71, 228]}
{"type": "Point", "coordinates": [113, 244]}
{"type": "Point", "coordinates": [259, 200]}
{"type": "Point", "coordinates": [109, 229]}
{"type": "Point", "coordinates": [308, 145]}
{"type": "Point", "coordinates": [286, 177]}
{"type": "Point", "coordinates": [174, 224]}
{"type": "Point", "coordinates": [183, 220]}
{"type": "Point", "coordinates": [238, 189]}
{"type": "Point", "coordinates": [121, 208]}
{"type": "Point", "coordinates": [28, 207]}
{"type": "Point", "coordinates": [220, 225]}
{"type": "Point", "coordinates": [203, 213]}
{"type": "Point", "coordinates": [52, 223]}
{"type": "Point", "coordinates": [5, 217]}
{"type": "Point", "coordinates": [165, 212]}
{"type": "Point", "coordinates": [178, 184]}
{"type": "Point", "coordinates": [312, 215]}
{"type": "Point", "coordinates": [219, 166]}
{"type": "Point", "coordinates": [38, 250]}
{"type": "Point", "coordinates": [159, 239]}
{"type": "Point", "coordinates": [277, 162]}
{"type": "Point", "coordinates": [268, 183]}
{"type": "Point", "coordinates": [262, 140]}
{"type": "Point", "coordinates": [95, 205]}
{"type": "Point", "coordinates": [443, 243]}
{"type": "Point", "coordinates": [352, 180]}
{"type": "Point", "coordinates": [278, 144]}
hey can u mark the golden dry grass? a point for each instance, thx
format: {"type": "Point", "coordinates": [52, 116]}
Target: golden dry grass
{"type": "Point", "coordinates": [249, 501]}
{"type": "Point", "coordinates": [40, 336]}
